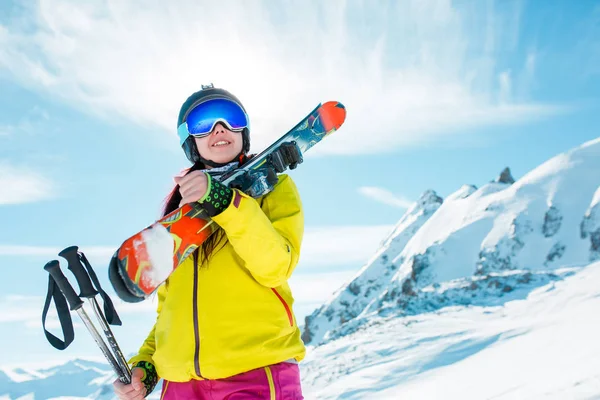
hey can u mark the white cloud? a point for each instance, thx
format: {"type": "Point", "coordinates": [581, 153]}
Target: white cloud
{"type": "Point", "coordinates": [35, 120]}
{"type": "Point", "coordinates": [104, 252]}
{"type": "Point", "coordinates": [530, 63]}
{"type": "Point", "coordinates": [385, 196]}
{"type": "Point", "coordinates": [23, 185]}
{"type": "Point", "coordinates": [340, 245]}
{"type": "Point", "coordinates": [53, 323]}
{"type": "Point", "coordinates": [16, 308]}
{"type": "Point", "coordinates": [505, 87]}
{"type": "Point", "coordinates": [28, 310]}
{"type": "Point", "coordinates": [407, 71]}
{"type": "Point", "coordinates": [316, 288]}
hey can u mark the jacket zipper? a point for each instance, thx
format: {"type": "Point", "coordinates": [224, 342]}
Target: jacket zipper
{"type": "Point", "coordinates": [285, 305]}
{"type": "Point", "coordinates": [196, 325]}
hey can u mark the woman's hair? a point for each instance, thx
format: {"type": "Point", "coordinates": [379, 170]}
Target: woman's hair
{"type": "Point", "coordinates": [172, 203]}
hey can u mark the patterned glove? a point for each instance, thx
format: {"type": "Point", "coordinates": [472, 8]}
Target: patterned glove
{"type": "Point", "coordinates": [217, 197]}
{"type": "Point", "coordinates": [150, 376]}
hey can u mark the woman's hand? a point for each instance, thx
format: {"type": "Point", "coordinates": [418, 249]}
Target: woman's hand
{"type": "Point", "coordinates": [135, 390]}
{"type": "Point", "coordinates": [192, 187]}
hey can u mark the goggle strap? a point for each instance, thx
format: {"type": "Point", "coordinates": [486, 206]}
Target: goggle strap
{"type": "Point", "coordinates": [183, 133]}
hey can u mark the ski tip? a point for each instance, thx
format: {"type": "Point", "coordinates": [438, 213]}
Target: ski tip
{"type": "Point", "coordinates": [333, 115]}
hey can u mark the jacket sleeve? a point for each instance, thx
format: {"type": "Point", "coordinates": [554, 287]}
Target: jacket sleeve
{"type": "Point", "coordinates": [267, 239]}
{"type": "Point", "coordinates": [147, 349]}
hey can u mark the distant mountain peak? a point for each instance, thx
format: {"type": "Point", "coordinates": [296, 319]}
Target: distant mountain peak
{"type": "Point", "coordinates": [505, 177]}
{"type": "Point", "coordinates": [429, 198]}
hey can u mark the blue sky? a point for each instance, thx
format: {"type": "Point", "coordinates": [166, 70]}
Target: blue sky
{"type": "Point", "coordinates": [439, 94]}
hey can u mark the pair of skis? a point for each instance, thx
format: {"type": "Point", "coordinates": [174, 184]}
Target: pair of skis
{"type": "Point", "coordinates": [61, 291]}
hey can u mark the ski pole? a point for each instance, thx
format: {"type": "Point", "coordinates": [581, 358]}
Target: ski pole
{"type": "Point", "coordinates": [88, 291]}
{"type": "Point", "coordinates": [76, 304]}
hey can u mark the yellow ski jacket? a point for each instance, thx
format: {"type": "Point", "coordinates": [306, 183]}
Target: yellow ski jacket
{"type": "Point", "coordinates": [234, 313]}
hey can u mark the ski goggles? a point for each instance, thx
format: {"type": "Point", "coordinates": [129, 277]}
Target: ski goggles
{"type": "Point", "coordinates": [201, 120]}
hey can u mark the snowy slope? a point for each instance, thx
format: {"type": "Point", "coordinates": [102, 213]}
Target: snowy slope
{"type": "Point", "coordinates": [543, 346]}
{"type": "Point", "coordinates": [477, 243]}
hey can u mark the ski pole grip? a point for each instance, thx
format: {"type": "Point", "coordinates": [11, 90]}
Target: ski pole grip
{"type": "Point", "coordinates": [53, 268]}
{"type": "Point", "coordinates": [86, 289]}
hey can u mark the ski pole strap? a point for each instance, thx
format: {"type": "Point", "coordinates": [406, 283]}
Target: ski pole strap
{"type": "Point", "coordinates": [109, 309]}
{"type": "Point", "coordinates": [64, 316]}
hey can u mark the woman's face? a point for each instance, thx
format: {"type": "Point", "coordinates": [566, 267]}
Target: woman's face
{"type": "Point", "coordinates": [221, 145]}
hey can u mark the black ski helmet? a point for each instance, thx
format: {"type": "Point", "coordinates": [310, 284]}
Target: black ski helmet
{"type": "Point", "coordinates": [206, 93]}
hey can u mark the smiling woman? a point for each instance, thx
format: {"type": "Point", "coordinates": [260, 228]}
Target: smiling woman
{"type": "Point", "coordinates": [225, 321]}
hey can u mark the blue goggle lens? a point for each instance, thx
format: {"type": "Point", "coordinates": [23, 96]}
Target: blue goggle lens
{"type": "Point", "coordinates": [203, 118]}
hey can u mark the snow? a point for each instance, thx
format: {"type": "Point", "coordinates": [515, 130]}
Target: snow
{"type": "Point", "coordinates": [20, 374]}
{"type": "Point", "coordinates": [159, 245]}
{"type": "Point", "coordinates": [596, 198]}
{"type": "Point", "coordinates": [462, 193]}
{"type": "Point", "coordinates": [542, 346]}
{"type": "Point", "coordinates": [590, 226]}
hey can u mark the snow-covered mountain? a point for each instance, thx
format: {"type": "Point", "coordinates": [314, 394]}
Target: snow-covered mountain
{"type": "Point", "coordinates": [75, 379]}
{"type": "Point", "coordinates": [476, 246]}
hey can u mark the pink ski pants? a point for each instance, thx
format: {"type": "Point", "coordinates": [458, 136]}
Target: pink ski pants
{"type": "Point", "coordinates": [276, 382]}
